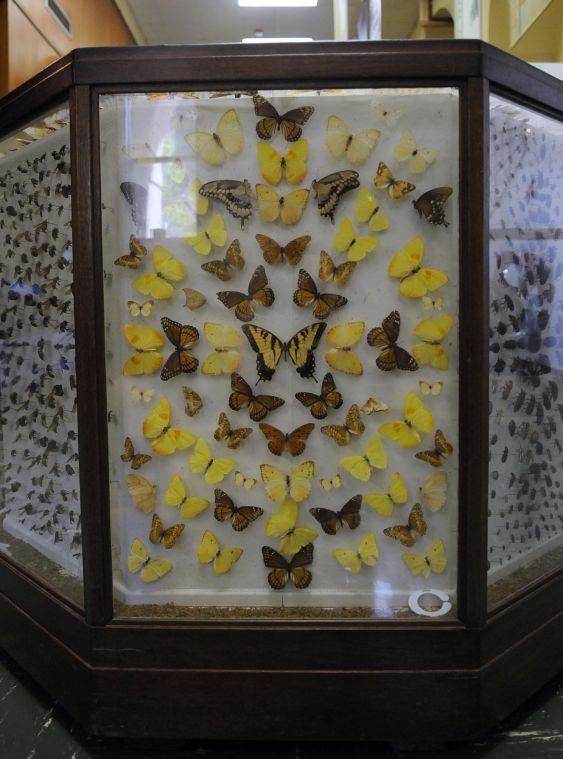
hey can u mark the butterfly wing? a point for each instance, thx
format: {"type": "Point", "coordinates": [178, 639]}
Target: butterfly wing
{"type": "Point", "coordinates": [300, 481]}
{"type": "Point", "coordinates": [340, 274]}
{"type": "Point", "coordinates": [301, 347]}
{"type": "Point", "coordinates": [431, 205]}
{"type": "Point", "coordinates": [266, 127]}
{"type": "Point", "coordinates": [417, 414]}
{"type": "Point", "coordinates": [297, 439]}
{"type": "Point", "coordinates": [337, 136]}
{"type": "Point", "coordinates": [283, 520]}
{"type": "Point", "coordinates": [142, 492]}
{"type": "Point", "coordinates": [279, 575]}
{"type": "Point", "coordinates": [437, 557]}
{"type": "Point", "coordinates": [327, 518]}
{"type": "Point", "coordinates": [296, 162]}
{"type": "Point", "coordinates": [270, 163]}
{"type": "Point", "coordinates": [224, 506]}
{"type": "Point", "coordinates": [361, 145]}
{"type": "Point", "coordinates": [292, 121]}
{"type": "Point", "coordinates": [300, 576]}
{"type": "Point", "coordinates": [330, 189]}
{"type": "Point", "coordinates": [244, 516]}
{"type": "Point", "coordinates": [350, 512]}
{"type": "Point", "coordinates": [276, 438]}
{"type": "Point", "coordinates": [230, 132]}
{"type": "Point", "coordinates": [293, 206]}
{"type": "Point", "coordinates": [138, 555]}
{"type": "Point", "coordinates": [207, 147]}
{"type": "Point", "coordinates": [416, 520]}
{"type": "Point", "coordinates": [275, 482]}
{"type": "Point", "coordinates": [193, 401]}
{"type": "Point", "coordinates": [268, 349]}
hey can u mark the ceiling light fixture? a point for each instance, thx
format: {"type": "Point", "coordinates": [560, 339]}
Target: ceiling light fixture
{"type": "Point", "coordinates": [278, 3]}
{"type": "Point", "coordinates": [277, 39]}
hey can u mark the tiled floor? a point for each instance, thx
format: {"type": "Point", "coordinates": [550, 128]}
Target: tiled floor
{"type": "Point", "coordinates": [32, 727]}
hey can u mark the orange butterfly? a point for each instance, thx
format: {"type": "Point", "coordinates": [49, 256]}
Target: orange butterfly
{"type": "Point", "coordinates": [295, 441]}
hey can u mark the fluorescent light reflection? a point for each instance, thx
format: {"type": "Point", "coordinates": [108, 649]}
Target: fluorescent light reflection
{"type": "Point", "coordinates": [278, 3]}
{"type": "Point", "coordinates": [253, 40]}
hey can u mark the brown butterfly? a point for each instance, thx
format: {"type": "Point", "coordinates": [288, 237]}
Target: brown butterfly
{"type": "Point", "coordinates": [384, 180]}
{"type": "Point", "coordinates": [168, 536]}
{"type": "Point", "coordinates": [224, 269]}
{"type": "Point", "coordinates": [273, 252]}
{"type": "Point", "coordinates": [135, 459]}
{"type": "Point", "coordinates": [328, 398]}
{"type": "Point", "coordinates": [193, 401]}
{"type": "Point", "coordinates": [331, 188]}
{"type": "Point", "coordinates": [194, 299]}
{"type": "Point", "coordinates": [392, 356]}
{"type": "Point", "coordinates": [240, 516]}
{"type": "Point", "coordinates": [283, 570]}
{"type": "Point", "coordinates": [258, 291]}
{"type": "Point", "coordinates": [242, 396]}
{"type": "Point", "coordinates": [406, 532]}
{"type": "Point", "coordinates": [295, 441]}
{"type": "Point", "coordinates": [339, 274]}
{"type": "Point", "coordinates": [431, 205]}
{"type": "Point", "coordinates": [340, 433]}
{"type": "Point", "coordinates": [226, 434]}
{"type": "Point", "coordinates": [136, 254]}
{"type": "Point", "coordinates": [332, 521]}
{"type": "Point", "coordinates": [308, 293]}
{"type": "Point", "coordinates": [236, 195]}
{"type": "Point", "coordinates": [182, 337]}
{"type": "Point", "coordinates": [289, 123]}
{"type": "Point", "coordinates": [442, 450]}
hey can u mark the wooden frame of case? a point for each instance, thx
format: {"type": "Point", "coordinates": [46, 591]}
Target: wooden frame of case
{"type": "Point", "coordinates": [471, 672]}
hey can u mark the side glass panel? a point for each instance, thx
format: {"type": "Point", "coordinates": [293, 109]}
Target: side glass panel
{"type": "Point", "coordinates": [526, 359]}
{"type": "Point", "coordinates": [208, 482]}
{"type": "Point", "coordinates": [40, 510]}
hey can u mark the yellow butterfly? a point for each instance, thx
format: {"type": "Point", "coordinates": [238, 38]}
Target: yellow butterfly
{"type": "Point", "coordinates": [427, 388]}
{"type": "Point", "coordinates": [417, 419]}
{"type": "Point", "coordinates": [367, 553]}
{"type": "Point", "coordinates": [415, 281]}
{"type": "Point", "coordinates": [341, 356]}
{"type": "Point", "coordinates": [278, 485]}
{"type": "Point", "coordinates": [227, 138]}
{"type": "Point", "coordinates": [140, 309]}
{"type": "Point", "coordinates": [197, 201]}
{"type": "Point", "coordinates": [142, 491]}
{"type": "Point", "coordinates": [272, 164]}
{"type": "Point", "coordinates": [177, 496]}
{"type": "Point", "coordinates": [368, 211]}
{"type": "Point", "coordinates": [333, 482]}
{"type": "Point", "coordinates": [168, 269]}
{"type": "Point", "coordinates": [214, 234]}
{"type": "Point", "coordinates": [436, 560]}
{"type": "Point", "coordinates": [433, 491]}
{"type": "Point", "coordinates": [418, 158]}
{"type": "Point", "coordinates": [282, 525]}
{"type": "Point", "coordinates": [427, 303]}
{"type": "Point", "coordinates": [146, 341]}
{"type": "Point", "coordinates": [214, 470]}
{"type": "Point", "coordinates": [244, 482]}
{"type": "Point", "coordinates": [388, 116]}
{"type": "Point", "coordinates": [223, 558]}
{"type": "Point", "coordinates": [289, 208]}
{"type": "Point", "coordinates": [384, 180]}
{"type": "Point", "coordinates": [383, 502]}
{"type": "Point", "coordinates": [432, 331]}
{"type": "Point", "coordinates": [224, 340]}
{"type": "Point", "coordinates": [142, 395]}
{"type": "Point", "coordinates": [374, 456]}
{"type": "Point", "coordinates": [139, 559]}
{"type": "Point", "coordinates": [165, 439]}
{"type": "Point", "coordinates": [346, 241]}
{"type": "Point", "coordinates": [356, 147]}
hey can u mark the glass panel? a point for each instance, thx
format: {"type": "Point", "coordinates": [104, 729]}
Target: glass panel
{"type": "Point", "coordinates": [526, 389]}
{"type": "Point", "coordinates": [40, 522]}
{"type": "Point", "coordinates": [157, 151]}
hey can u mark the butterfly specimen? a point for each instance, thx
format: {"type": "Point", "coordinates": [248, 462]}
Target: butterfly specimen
{"type": "Point", "coordinates": [433, 491]}
{"type": "Point", "coordinates": [384, 180]}
{"type": "Point", "coordinates": [227, 139]}
{"type": "Point", "coordinates": [307, 293]}
{"type": "Point", "coordinates": [442, 450]}
{"type": "Point", "coordinates": [193, 401]}
{"type": "Point", "coordinates": [136, 460]}
{"type": "Point", "coordinates": [373, 406]}
{"type": "Point", "coordinates": [242, 396]}
{"type": "Point", "coordinates": [168, 269]}
{"type": "Point", "coordinates": [356, 147]}
{"type": "Point", "coordinates": [165, 439]}
{"type": "Point", "coordinates": [341, 356]}
{"type": "Point", "coordinates": [269, 349]}
{"type": "Point", "coordinates": [388, 116]}
{"type": "Point", "coordinates": [224, 340]}
{"type": "Point", "coordinates": [415, 280]}
{"type": "Point", "coordinates": [142, 491]}
{"type": "Point", "coordinates": [279, 485]}
{"type": "Point", "coordinates": [431, 205]}
{"type": "Point", "coordinates": [418, 158]}
{"type": "Point", "coordinates": [332, 521]}
{"type": "Point", "coordinates": [133, 259]}
{"type": "Point", "coordinates": [146, 341]}
{"type": "Point", "coordinates": [436, 303]}
{"type": "Point", "coordinates": [417, 419]}
{"type": "Point", "coordinates": [194, 299]}
{"type": "Point", "coordinates": [294, 162]}
{"type": "Point", "coordinates": [406, 533]}
{"type": "Point", "coordinates": [210, 550]}
{"type": "Point", "coordinates": [435, 560]}
{"type": "Point", "coordinates": [214, 234]}
{"type": "Point", "coordinates": [294, 569]}
{"type": "Point", "coordinates": [330, 189]}
{"type": "Point", "coordinates": [291, 253]}
{"type": "Point", "coordinates": [432, 331]}
{"type": "Point", "coordinates": [374, 456]}
{"type": "Point", "coordinates": [213, 470]}
{"type": "Point", "coordinates": [289, 123]}
{"type": "Point", "coordinates": [183, 337]}
{"type": "Point", "coordinates": [368, 212]}
{"type": "Point", "coordinates": [328, 483]}
{"type": "Point", "coordinates": [319, 404]}
{"type": "Point", "coordinates": [283, 525]}
{"type": "Point", "coordinates": [178, 497]}
{"type": "Point", "coordinates": [328, 271]}
{"type": "Point", "coordinates": [140, 309]}
{"type": "Point", "coordinates": [367, 553]}
{"type": "Point", "coordinates": [346, 241]}
{"type": "Point", "coordinates": [289, 208]}
{"type": "Point", "coordinates": [392, 356]}
{"type": "Point", "coordinates": [236, 195]}
{"type": "Point", "coordinates": [139, 559]}
{"type": "Point", "coordinates": [240, 516]}
{"type": "Point", "coordinates": [231, 264]}
{"type": "Point", "coordinates": [137, 198]}
{"type": "Point", "coordinates": [244, 482]}
{"type": "Point", "coordinates": [142, 395]}
{"type": "Point", "coordinates": [294, 442]}
{"type": "Point", "coordinates": [226, 434]}
{"type": "Point", "coordinates": [383, 503]}
{"type": "Point", "coordinates": [167, 536]}
{"type": "Point", "coordinates": [196, 202]}
{"type": "Point", "coordinates": [340, 433]}
{"type": "Point", "coordinates": [427, 388]}
{"type": "Point", "coordinates": [258, 291]}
